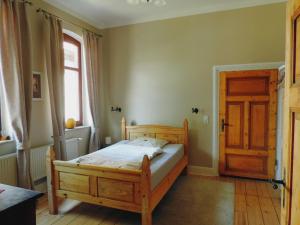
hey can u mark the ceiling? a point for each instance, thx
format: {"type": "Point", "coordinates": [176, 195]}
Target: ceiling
{"type": "Point", "coordinates": [113, 13]}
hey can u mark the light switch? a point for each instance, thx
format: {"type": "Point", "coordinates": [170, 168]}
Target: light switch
{"type": "Point", "coordinates": [205, 119]}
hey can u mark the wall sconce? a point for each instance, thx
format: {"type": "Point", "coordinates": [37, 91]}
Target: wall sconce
{"type": "Point", "coordinates": [195, 110]}
{"type": "Point", "coordinates": [116, 109]}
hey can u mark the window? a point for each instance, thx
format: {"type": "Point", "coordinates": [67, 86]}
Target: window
{"type": "Point", "coordinates": [73, 79]}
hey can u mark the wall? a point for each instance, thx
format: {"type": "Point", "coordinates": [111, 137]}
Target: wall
{"type": "Point", "coordinates": [158, 71]}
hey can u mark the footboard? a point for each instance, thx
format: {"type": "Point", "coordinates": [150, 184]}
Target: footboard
{"type": "Point", "coordinates": [116, 188]}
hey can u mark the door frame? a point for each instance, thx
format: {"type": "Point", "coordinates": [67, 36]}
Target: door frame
{"type": "Point", "coordinates": [215, 106]}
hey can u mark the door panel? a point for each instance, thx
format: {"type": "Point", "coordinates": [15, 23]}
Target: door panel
{"type": "Point", "coordinates": [258, 125]}
{"type": "Point", "coordinates": [234, 132]}
{"type": "Point", "coordinates": [247, 164]}
{"type": "Point", "coordinates": [247, 86]}
{"type": "Point", "coordinates": [248, 104]}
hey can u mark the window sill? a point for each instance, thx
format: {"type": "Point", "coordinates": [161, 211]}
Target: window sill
{"type": "Point", "coordinates": [7, 147]}
{"type": "Point", "coordinates": [78, 128]}
{"type": "Point", "coordinates": [6, 142]}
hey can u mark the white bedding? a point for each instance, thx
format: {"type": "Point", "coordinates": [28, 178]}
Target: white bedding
{"type": "Point", "coordinates": [121, 155]}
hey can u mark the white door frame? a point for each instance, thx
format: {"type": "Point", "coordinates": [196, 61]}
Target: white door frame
{"type": "Point", "coordinates": [215, 109]}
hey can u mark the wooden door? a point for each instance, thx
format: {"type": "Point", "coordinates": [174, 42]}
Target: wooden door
{"type": "Point", "coordinates": [247, 118]}
{"type": "Point", "coordinates": [291, 152]}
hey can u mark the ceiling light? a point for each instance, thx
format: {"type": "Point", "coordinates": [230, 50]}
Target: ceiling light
{"type": "Point", "coordinates": [154, 2]}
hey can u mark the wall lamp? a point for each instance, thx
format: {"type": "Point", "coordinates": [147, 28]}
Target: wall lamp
{"type": "Point", "coordinates": [195, 110]}
{"type": "Point", "coordinates": [116, 109]}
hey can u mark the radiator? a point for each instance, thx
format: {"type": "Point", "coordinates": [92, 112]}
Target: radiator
{"type": "Point", "coordinates": [8, 169]}
{"type": "Point", "coordinates": [8, 166]}
{"type": "Point", "coordinates": [8, 163]}
{"type": "Point", "coordinates": [38, 162]}
{"type": "Point", "coordinates": [72, 148]}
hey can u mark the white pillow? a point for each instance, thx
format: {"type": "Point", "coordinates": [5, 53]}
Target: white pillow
{"type": "Point", "coordinates": [150, 142]}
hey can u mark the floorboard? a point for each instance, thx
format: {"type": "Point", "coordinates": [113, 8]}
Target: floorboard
{"type": "Point", "coordinates": [268, 211]}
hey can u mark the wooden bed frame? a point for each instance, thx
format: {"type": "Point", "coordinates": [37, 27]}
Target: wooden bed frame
{"type": "Point", "coordinates": [123, 189]}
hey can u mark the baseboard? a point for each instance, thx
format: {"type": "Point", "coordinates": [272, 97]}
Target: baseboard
{"type": "Point", "coordinates": [203, 171]}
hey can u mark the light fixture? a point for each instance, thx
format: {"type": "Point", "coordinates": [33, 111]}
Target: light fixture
{"type": "Point", "coordinates": [154, 2]}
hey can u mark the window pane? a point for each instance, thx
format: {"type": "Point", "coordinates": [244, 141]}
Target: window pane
{"type": "Point", "coordinates": [71, 55]}
{"type": "Point", "coordinates": [72, 102]}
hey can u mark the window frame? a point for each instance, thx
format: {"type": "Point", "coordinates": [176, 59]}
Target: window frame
{"type": "Point", "coordinates": [72, 40]}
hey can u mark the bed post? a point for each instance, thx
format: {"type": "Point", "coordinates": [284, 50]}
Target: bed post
{"type": "Point", "coordinates": [123, 128]}
{"type": "Point", "coordinates": [52, 200]}
{"type": "Point", "coordinates": [146, 192]}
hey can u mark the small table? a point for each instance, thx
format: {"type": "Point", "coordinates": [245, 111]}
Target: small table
{"type": "Point", "coordinates": [17, 205]}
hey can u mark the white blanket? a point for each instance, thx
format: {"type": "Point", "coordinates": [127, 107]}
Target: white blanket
{"type": "Point", "coordinates": [119, 156]}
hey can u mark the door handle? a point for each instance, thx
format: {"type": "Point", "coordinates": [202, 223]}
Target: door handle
{"type": "Point", "coordinates": [224, 125]}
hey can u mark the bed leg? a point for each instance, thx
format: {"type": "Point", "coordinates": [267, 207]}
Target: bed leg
{"type": "Point", "coordinates": [146, 218]}
{"type": "Point", "coordinates": [146, 192]}
{"type": "Point", "coordinates": [51, 176]}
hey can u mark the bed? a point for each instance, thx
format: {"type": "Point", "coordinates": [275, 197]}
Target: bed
{"type": "Point", "coordinates": [135, 190]}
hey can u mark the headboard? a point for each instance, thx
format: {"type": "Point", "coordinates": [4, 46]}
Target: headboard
{"type": "Point", "coordinates": [175, 135]}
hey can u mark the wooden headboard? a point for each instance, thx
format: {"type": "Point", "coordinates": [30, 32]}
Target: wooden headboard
{"type": "Point", "coordinates": [175, 135]}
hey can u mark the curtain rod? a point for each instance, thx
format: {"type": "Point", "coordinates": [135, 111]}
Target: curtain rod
{"type": "Point", "coordinates": [40, 10]}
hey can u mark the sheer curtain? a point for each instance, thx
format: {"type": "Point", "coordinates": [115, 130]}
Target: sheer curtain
{"type": "Point", "coordinates": [16, 79]}
{"type": "Point", "coordinates": [93, 60]}
{"type": "Point", "coordinates": [54, 63]}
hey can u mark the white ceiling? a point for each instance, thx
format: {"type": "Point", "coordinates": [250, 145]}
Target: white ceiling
{"type": "Point", "coordinates": [112, 13]}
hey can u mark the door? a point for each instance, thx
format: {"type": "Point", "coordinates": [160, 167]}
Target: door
{"type": "Point", "coordinates": [247, 118]}
{"type": "Point", "coordinates": [291, 160]}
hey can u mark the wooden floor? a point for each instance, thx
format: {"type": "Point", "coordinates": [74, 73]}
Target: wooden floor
{"type": "Point", "coordinates": [256, 203]}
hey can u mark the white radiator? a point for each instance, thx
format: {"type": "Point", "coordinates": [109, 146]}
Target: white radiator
{"type": "Point", "coordinates": [8, 169]}
{"type": "Point", "coordinates": [8, 164]}
{"type": "Point", "coordinates": [72, 148]}
{"type": "Point", "coordinates": [38, 162]}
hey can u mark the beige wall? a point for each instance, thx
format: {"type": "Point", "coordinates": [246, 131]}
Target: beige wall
{"type": "Point", "coordinates": [158, 71]}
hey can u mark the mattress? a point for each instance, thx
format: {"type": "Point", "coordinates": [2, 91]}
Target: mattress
{"type": "Point", "coordinates": [160, 166]}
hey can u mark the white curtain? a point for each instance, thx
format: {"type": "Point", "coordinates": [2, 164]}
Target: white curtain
{"type": "Point", "coordinates": [16, 79]}
{"type": "Point", "coordinates": [93, 59]}
{"type": "Point", "coordinates": [54, 63]}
